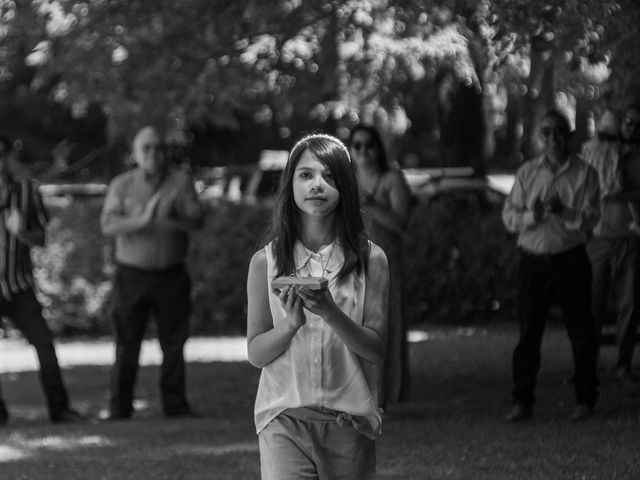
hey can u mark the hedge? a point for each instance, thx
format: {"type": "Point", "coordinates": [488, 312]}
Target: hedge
{"type": "Point", "coordinates": [460, 265]}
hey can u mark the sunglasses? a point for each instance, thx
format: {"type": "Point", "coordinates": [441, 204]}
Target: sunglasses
{"type": "Point", "coordinates": [555, 131]}
{"type": "Point", "coordinates": [630, 122]}
{"type": "Point", "coordinates": [357, 146]}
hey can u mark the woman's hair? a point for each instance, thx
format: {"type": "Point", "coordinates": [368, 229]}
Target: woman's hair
{"type": "Point", "coordinates": [6, 143]}
{"type": "Point", "coordinates": [349, 226]}
{"type": "Point", "coordinates": [383, 164]}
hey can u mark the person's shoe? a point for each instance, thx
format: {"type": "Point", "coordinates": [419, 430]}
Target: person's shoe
{"type": "Point", "coordinates": [108, 416]}
{"type": "Point", "coordinates": [68, 416]}
{"type": "Point", "coordinates": [4, 414]}
{"type": "Point", "coordinates": [184, 414]}
{"type": "Point", "coordinates": [581, 413]}
{"type": "Point", "coordinates": [518, 413]}
{"type": "Point", "coordinates": [625, 373]}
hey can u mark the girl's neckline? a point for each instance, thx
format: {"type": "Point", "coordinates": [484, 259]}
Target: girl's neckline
{"type": "Point", "coordinates": [320, 249]}
{"type": "Point", "coordinates": [321, 253]}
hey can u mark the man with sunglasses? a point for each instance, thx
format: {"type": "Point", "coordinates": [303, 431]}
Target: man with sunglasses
{"type": "Point", "coordinates": [553, 206]}
{"type": "Point", "coordinates": [150, 211]}
{"type": "Point", "coordinates": [23, 220]}
{"type": "Point", "coordinates": [614, 250]}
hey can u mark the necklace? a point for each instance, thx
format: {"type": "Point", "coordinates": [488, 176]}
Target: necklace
{"type": "Point", "coordinates": [324, 264]}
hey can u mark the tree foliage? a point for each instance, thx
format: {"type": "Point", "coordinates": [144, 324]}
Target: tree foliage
{"type": "Point", "coordinates": [288, 65]}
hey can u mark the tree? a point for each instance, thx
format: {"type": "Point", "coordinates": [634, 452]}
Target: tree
{"type": "Point", "coordinates": [278, 68]}
{"type": "Point", "coordinates": [28, 109]}
{"type": "Point", "coordinates": [532, 49]}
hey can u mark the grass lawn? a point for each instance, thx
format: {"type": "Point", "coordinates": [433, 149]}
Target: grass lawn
{"type": "Point", "coordinates": [451, 428]}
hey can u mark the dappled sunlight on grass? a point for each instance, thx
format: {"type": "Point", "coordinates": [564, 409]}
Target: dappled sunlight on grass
{"type": "Point", "coordinates": [217, 450]}
{"type": "Point", "coordinates": [11, 454]}
{"type": "Point", "coordinates": [65, 442]}
{"type": "Point", "coordinates": [423, 335]}
{"type": "Point", "coordinates": [450, 428]}
{"type": "Point", "coordinates": [19, 356]}
{"type": "Point", "coordinates": [18, 447]}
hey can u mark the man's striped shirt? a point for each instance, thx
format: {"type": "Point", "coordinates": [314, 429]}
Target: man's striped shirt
{"type": "Point", "coordinates": [16, 270]}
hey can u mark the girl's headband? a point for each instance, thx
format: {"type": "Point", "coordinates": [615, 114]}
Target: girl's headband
{"type": "Point", "coordinates": [320, 136]}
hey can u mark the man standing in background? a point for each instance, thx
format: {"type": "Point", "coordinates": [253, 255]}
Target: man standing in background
{"type": "Point", "coordinates": [150, 211]}
{"type": "Point", "coordinates": [614, 249]}
{"type": "Point", "coordinates": [553, 206]}
{"type": "Point", "coordinates": [23, 219]}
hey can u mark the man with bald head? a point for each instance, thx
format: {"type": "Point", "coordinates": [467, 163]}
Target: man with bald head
{"type": "Point", "coordinates": [150, 210]}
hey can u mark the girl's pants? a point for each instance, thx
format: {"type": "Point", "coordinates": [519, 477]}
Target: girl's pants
{"type": "Point", "coordinates": [303, 444]}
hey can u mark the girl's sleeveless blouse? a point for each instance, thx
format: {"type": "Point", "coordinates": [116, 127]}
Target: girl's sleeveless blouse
{"type": "Point", "coordinates": [318, 369]}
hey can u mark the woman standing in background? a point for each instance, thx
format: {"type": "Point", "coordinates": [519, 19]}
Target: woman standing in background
{"type": "Point", "coordinates": [387, 205]}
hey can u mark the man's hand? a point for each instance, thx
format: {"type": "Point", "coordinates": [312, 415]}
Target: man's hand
{"type": "Point", "coordinates": [539, 209]}
{"type": "Point", "coordinates": [555, 206]}
{"type": "Point", "coordinates": [150, 209]}
{"type": "Point", "coordinates": [165, 206]}
{"type": "Point", "coordinates": [14, 223]}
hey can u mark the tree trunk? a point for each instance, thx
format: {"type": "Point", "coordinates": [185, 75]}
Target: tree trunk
{"type": "Point", "coordinates": [540, 92]}
{"type": "Point", "coordinates": [582, 132]}
{"type": "Point", "coordinates": [510, 152]}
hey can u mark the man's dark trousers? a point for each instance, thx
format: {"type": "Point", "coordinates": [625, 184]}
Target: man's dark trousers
{"type": "Point", "coordinates": [137, 295]}
{"type": "Point", "coordinates": [25, 313]}
{"type": "Point", "coordinates": [615, 264]}
{"type": "Point", "coordinates": [566, 277]}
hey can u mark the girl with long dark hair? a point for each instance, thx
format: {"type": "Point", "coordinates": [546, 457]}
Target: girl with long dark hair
{"type": "Point", "coordinates": [316, 409]}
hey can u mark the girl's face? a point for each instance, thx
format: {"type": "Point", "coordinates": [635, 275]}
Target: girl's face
{"type": "Point", "coordinates": [314, 190]}
{"type": "Point", "coordinates": [363, 149]}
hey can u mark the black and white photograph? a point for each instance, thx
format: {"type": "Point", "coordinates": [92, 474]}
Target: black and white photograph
{"type": "Point", "coordinates": [319, 239]}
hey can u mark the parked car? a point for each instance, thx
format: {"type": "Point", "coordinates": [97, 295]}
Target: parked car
{"type": "Point", "coordinates": [72, 189]}
{"type": "Point", "coordinates": [431, 182]}
{"type": "Point", "coordinates": [257, 182]}
{"type": "Point", "coordinates": [62, 194]}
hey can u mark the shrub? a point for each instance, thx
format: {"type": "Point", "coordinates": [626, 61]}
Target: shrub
{"type": "Point", "coordinates": [460, 263]}
{"type": "Point", "coordinates": [73, 269]}
{"type": "Point", "coordinates": [219, 261]}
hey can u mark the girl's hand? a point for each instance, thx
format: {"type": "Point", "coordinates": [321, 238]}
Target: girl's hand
{"type": "Point", "coordinates": [319, 302]}
{"type": "Point", "coordinates": [292, 305]}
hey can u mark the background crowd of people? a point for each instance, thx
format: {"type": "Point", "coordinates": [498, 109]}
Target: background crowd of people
{"type": "Point", "coordinates": [577, 229]}
{"type": "Point", "coordinates": [576, 217]}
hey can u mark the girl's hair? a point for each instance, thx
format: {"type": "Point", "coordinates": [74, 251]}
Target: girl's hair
{"type": "Point", "coordinates": [349, 226]}
{"type": "Point", "coordinates": [383, 164]}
